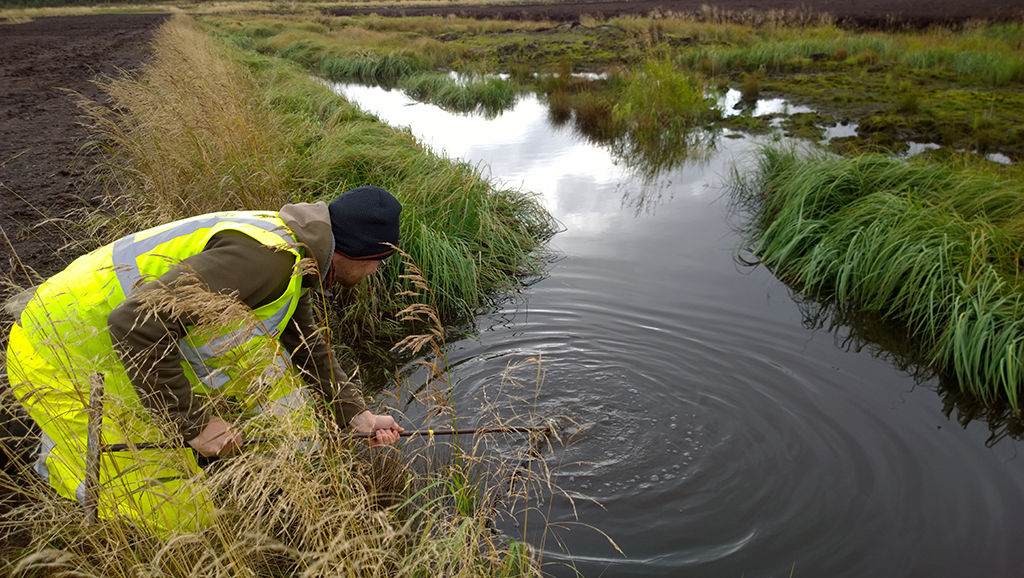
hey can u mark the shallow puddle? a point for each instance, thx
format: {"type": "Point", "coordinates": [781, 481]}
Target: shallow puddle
{"type": "Point", "coordinates": [717, 435]}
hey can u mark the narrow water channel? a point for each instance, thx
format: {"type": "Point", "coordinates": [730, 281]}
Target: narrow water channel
{"type": "Point", "coordinates": [720, 437]}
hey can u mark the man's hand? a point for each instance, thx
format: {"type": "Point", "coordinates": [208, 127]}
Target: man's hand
{"type": "Point", "coordinates": [218, 438]}
{"type": "Point", "coordinates": [384, 425]}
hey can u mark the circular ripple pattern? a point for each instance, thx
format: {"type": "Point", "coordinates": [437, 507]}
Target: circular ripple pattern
{"type": "Point", "coordinates": [712, 437]}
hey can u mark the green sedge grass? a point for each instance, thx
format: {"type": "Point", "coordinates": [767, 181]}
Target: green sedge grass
{"type": "Point", "coordinates": [489, 95]}
{"type": "Point", "coordinates": [931, 248]}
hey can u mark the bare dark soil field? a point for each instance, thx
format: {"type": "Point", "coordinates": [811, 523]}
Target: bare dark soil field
{"type": "Point", "coordinates": [43, 172]}
{"type": "Point", "coordinates": [45, 176]}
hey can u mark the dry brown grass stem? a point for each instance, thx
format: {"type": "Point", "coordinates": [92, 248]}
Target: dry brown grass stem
{"type": "Point", "coordinates": [188, 297]}
{"type": "Point", "coordinates": [425, 314]}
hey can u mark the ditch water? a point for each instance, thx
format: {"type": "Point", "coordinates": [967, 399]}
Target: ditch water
{"type": "Point", "coordinates": [720, 436]}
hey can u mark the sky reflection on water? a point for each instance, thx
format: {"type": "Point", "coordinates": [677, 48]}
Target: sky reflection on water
{"type": "Point", "coordinates": [721, 437]}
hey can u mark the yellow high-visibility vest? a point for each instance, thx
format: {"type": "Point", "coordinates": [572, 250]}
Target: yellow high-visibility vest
{"type": "Point", "coordinates": [61, 339]}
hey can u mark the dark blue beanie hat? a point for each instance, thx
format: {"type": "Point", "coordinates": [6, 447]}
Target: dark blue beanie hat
{"type": "Point", "coordinates": [362, 220]}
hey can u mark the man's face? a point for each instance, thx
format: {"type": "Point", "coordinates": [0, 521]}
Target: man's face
{"type": "Point", "coordinates": [349, 272]}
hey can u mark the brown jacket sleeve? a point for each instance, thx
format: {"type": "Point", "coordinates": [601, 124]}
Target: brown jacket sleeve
{"type": "Point", "coordinates": [146, 341]}
{"type": "Point", "coordinates": [318, 366]}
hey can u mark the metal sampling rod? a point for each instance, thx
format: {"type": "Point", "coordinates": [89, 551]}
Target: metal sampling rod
{"type": "Point", "coordinates": [94, 446]}
{"type": "Point", "coordinates": [170, 445]}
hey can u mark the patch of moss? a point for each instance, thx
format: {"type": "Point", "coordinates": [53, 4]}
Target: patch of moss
{"type": "Point", "coordinates": [919, 107]}
{"type": "Point", "coordinates": [747, 123]}
{"type": "Point", "coordinates": [807, 125]}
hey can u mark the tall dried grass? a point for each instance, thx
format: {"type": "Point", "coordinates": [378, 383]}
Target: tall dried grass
{"type": "Point", "coordinates": [303, 507]}
{"type": "Point", "coordinates": [192, 138]}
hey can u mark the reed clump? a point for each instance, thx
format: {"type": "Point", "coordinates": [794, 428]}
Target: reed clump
{"type": "Point", "coordinates": [934, 249]}
{"type": "Point", "coordinates": [653, 118]}
{"type": "Point", "coordinates": [659, 101]}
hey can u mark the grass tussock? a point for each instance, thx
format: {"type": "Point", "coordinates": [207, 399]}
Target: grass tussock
{"type": "Point", "coordinates": [190, 143]}
{"type": "Point", "coordinates": [934, 249]}
{"type": "Point", "coordinates": [249, 131]}
{"type": "Point", "coordinates": [750, 89]}
{"type": "Point", "coordinates": [653, 118]}
{"type": "Point", "coordinates": [658, 102]}
{"type": "Point", "coordinates": [488, 95]}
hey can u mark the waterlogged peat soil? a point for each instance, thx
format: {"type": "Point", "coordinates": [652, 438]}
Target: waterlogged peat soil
{"type": "Point", "coordinates": [44, 174]}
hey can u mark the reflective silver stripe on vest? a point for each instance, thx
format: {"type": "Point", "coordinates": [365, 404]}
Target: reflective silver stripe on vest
{"type": "Point", "coordinates": [213, 378]}
{"type": "Point", "coordinates": [127, 250]}
{"type": "Point", "coordinates": [198, 355]}
{"type": "Point", "coordinates": [47, 445]}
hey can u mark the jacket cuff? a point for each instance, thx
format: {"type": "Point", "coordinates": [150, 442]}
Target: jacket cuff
{"type": "Point", "coordinates": [347, 411]}
{"type": "Point", "coordinates": [191, 425]}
